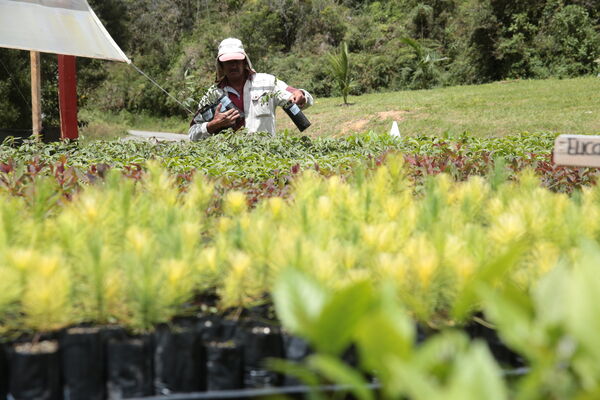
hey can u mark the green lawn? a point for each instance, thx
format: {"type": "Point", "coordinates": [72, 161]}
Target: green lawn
{"type": "Point", "coordinates": [564, 106]}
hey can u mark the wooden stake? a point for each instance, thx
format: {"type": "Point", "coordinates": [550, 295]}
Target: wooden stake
{"type": "Point", "coordinates": [36, 94]}
{"type": "Point", "coordinates": [67, 96]}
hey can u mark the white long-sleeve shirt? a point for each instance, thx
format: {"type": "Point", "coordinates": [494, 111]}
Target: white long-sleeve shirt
{"type": "Point", "coordinates": [262, 94]}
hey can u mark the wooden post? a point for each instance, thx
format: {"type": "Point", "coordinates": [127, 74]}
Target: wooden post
{"type": "Point", "coordinates": [67, 96]}
{"type": "Point", "coordinates": [36, 94]}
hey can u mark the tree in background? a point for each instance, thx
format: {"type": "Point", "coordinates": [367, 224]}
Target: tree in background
{"type": "Point", "coordinates": [422, 72]}
{"type": "Point", "coordinates": [15, 89]}
{"type": "Point", "coordinates": [174, 42]}
{"type": "Point", "coordinates": [340, 70]}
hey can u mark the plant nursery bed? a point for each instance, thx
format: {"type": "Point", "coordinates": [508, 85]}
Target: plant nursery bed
{"type": "Point", "coordinates": [195, 355]}
{"type": "Point", "coordinates": [208, 357]}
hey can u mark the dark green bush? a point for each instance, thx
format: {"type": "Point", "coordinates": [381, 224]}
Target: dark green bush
{"type": "Point", "coordinates": [573, 43]}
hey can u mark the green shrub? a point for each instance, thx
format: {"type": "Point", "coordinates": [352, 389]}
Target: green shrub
{"type": "Point", "coordinates": [573, 42]}
{"type": "Point", "coordinates": [422, 71]}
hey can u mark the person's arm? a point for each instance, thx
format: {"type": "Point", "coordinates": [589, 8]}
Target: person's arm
{"type": "Point", "coordinates": [298, 96]}
{"type": "Point", "coordinates": [222, 120]}
{"type": "Point", "coordinates": [197, 129]}
{"type": "Point", "coordinates": [201, 128]}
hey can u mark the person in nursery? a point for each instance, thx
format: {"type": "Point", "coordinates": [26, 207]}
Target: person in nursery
{"type": "Point", "coordinates": [244, 97]}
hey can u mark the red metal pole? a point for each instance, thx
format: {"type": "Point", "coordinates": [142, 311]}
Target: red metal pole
{"type": "Point", "coordinates": [67, 96]}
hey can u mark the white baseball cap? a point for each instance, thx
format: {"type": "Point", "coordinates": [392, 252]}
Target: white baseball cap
{"type": "Point", "coordinates": [231, 49]}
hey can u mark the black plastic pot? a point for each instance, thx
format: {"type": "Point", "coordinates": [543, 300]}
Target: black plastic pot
{"type": "Point", "coordinates": [224, 366]}
{"type": "Point", "coordinates": [229, 329]}
{"type": "Point", "coordinates": [179, 361]}
{"type": "Point", "coordinates": [422, 333]}
{"type": "Point", "coordinates": [214, 328]}
{"type": "Point", "coordinates": [297, 116]}
{"type": "Point", "coordinates": [350, 356]}
{"type": "Point", "coordinates": [505, 356]}
{"type": "Point", "coordinates": [208, 326]}
{"type": "Point", "coordinates": [130, 370]}
{"type": "Point", "coordinates": [35, 371]}
{"type": "Point", "coordinates": [83, 364]}
{"type": "Point", "coordinates": [3, 372]}
{"type": "Point", "coordinates": [295, 349]}
{"type": "Point", "coordinates": [260, 343]}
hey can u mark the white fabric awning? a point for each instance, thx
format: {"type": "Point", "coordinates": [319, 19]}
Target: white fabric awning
{"type": "Point", "coordinates": [67, 27]}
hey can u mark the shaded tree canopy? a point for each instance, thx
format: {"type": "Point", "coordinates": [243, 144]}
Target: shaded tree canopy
{"type": "Point", "coordinates": [174, 41]}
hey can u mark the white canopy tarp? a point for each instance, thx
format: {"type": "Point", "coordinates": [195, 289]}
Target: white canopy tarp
{"type": "Point", "coordinates": [67, 27]}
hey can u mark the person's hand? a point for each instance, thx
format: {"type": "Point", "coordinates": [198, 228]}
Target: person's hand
{"type": "Point", "coordinates": [222, 120]}
{"type": "Point", "coordinates": [298, 97]}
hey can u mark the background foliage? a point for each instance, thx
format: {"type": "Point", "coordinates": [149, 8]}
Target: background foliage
{"type": "Point", "coordinates": [450, 42]}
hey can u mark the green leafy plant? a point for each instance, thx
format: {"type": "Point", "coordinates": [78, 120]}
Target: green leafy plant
{"type": "Point", "coordinates": [552, 324]}
{"type": "Point", "coordinates": [444, 367]}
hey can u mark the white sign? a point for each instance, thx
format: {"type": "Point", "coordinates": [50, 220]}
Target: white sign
{"type": "Point", "coordinates": [67, 27]}
{"type": "Point", "coordinates": [577, 150]}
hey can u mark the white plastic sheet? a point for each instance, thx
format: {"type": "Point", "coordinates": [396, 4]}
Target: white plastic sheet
{"type": "Point", "coordinates": [68, 27]}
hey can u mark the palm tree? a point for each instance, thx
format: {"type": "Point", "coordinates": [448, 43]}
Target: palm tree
{"type": "Point", "coordinates": [423, 72]}
{"type": "Point", "coordinates": [340, 68]}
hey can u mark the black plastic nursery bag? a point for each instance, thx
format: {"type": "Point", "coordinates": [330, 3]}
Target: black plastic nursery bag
{"type": "Point", "coordinates": [261, 343]}
{"type": "Point", "coordinates": [179, 361]}
{"type": "Point", "coordinates": [129, 363]}
{"type": "Point", "coordinates": [296, 349]}
{"type": "Point", "coordinates": [83, 367]}
{"type": "Point", "coordinates": [35, 371]}
{"type": "Point", "coordinates": [224, 367]}
{"type": "Point", "coordinates": [3, 372]}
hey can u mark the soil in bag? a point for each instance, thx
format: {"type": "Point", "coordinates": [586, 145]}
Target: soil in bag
{"type": "Point", "coordinates": [260, 343]}
{"type": "Point", "coordinates": [3, 372]}
{"type": "Point", "coordinates": [129, 363]}
{"type": "Point", "coordinates": [179, 360]}
{"type": "Point", "coordinates": [35, 371]}
{"type": "Point", "coordinates": [82, 358]}
{"type": "Point", "coordinates": [224, 366]}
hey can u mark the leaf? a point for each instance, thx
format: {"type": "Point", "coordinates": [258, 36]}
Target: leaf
{"type": "Point", "coordinates": [583, 320]}
{"type": "Point", "coordinates": [298, 301]}
{"type": "Point", "coordinates": [551, 297]}
{"type": "Point", "coordinates": [476, 376]}
{"type": "Point", "coordinates": [511, 311]}
{"type": "Point", "coordinates": [485, 275]}
{"type": "Point", "coordinates": [415, 46]}
{"type": "Point", "coordinates": [410, 381]}
{"type": "Point", "coordinates": [336, 371]}
{"type": "Point", "coordinates": [437, 351]}
{"type": "Point", "coordinates": [336, 324]}
{"type": "Point", "coordinates": [385, 332]}
{"type": "Point", "coordinates": [302, 372]}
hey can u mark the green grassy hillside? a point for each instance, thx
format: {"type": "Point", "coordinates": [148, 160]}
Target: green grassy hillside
{"type": "Point", "coordinates": [565, 106]}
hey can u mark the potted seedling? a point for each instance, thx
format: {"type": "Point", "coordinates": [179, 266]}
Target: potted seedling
{"type": "Point", "coordinates": [45, 306]}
